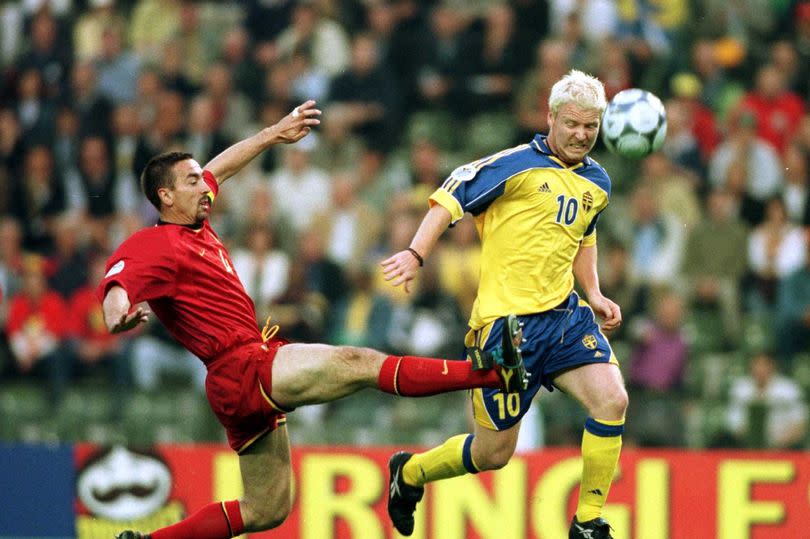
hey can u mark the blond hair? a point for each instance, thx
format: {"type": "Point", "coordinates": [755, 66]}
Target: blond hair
{"type": "Point", "coordinates": [580, 88]}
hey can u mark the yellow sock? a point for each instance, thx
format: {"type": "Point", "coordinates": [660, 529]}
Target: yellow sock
{"type": "Point", "coordinates": [451, 459]}
{"type": "Point", "coordinates": [601, 446]}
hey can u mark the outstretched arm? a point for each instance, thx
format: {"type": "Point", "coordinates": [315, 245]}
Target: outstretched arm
{"type": "Point", "coordinates": [292, 128]}
{"type": "Point", "coordinates": [116, 311]}
{"type": "Point", "coordinates": [588, 278]}
{"type": "Point", "coordinates": [401, 268]}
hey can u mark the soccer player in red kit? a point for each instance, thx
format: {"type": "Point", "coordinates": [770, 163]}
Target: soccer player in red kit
{"type": "Point", "coordinates": [183, 271]}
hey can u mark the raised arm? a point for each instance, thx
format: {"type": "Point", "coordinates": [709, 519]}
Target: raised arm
{"type": "Point", "coordinates": [586, 275]}
{"type": "Point", "coordinates": [402, 267]}
{"type": "Point", "coordinates": [116, 311]}
{"type": "Point", "coordinates": [292, 128]}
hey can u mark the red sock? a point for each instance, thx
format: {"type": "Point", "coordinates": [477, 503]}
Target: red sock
{"type": "Point", "coordinates": [214, 521]}
{"type": "Point", "coordinates": [412, 376]}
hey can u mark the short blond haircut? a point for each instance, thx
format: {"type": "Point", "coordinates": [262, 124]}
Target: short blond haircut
{"type": "Point", "coordinates": [580, 88]}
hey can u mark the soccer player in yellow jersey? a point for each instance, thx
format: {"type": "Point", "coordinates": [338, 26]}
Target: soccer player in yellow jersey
{"type": "Point", "coordinates": [536, 207]}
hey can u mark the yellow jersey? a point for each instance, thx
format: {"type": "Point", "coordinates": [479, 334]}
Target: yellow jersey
{"type": "Point", "coordinates": [532, 212]}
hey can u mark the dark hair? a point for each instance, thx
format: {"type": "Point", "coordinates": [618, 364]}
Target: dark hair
{"type": "Point", "coordinates": [158, 173]}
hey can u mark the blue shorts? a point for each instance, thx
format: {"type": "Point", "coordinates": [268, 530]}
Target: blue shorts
{"type": "Point", "coordinates": [556, 341]}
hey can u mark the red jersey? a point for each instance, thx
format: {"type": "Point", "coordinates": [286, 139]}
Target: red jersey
{"type": "Point", "coordinates": [87, 318]}
{"type": "Point", "coordinates": [49, 314]}
{"type": "Point", "coordinates": [185, 274]}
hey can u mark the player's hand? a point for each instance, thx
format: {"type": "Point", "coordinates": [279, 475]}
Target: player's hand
{"type": "Point", "coordinates": [608, 310]}
{"type": "Point", "coordinates": [297, 124]}
{"type": "Point", "coordinates": [400, 269]}
{"type": "Point", "coordinates": [130, 320]}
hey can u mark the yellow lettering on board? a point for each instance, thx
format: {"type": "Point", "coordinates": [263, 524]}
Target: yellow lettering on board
{"type": "Point", "coordinates": [321, 505]}
{"type": "Point", "coordinates": [500, 514]}
{"type": "Point", "coordinates": [736, 511]}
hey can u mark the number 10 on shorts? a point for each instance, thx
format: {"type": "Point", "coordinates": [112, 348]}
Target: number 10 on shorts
{"type": "Point", "coordinates": [507, 403]}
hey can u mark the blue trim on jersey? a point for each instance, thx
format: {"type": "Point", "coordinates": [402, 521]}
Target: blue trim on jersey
{"type": "Point", "coordinates": [600, 429]}
{"type": "Point", "coordinates": [466, 455]}
{"type": "Point", "coordinates": [590, 169]}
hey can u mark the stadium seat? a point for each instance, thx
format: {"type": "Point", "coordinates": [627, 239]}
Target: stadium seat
{"type": "Point", "coordinates": [800, 371]}
{"type": "Point", "coordinates": [704, 329]}
{"type": "Point", "coordinates": [438, 127]}
{"type": "Point", "coordinates": [489, 132]}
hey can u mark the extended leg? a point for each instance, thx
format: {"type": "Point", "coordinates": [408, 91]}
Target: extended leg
{"type": "Point", "coordinates": [600, 389]}
{"type": "Point", "coordinates": [267, 478]}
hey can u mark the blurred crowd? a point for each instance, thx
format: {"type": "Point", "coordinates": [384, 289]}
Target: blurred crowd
{"type": "Point", "coordinates": [704, 245]}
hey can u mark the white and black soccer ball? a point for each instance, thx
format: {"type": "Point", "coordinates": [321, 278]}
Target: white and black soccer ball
{"type": "Point", "coordinates": [634, 123]}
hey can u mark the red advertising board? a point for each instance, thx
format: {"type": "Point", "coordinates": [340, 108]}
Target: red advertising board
{"type": "Point", "coordinates": [340, 493]}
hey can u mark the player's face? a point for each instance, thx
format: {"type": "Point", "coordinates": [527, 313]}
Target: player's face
{"type": "Point", "coordinates": [572, 132]}
{"type": "Point", "coordinates": [190, 202]}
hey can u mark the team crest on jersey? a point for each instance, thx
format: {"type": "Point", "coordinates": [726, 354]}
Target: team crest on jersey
{"type": "Point", "coordinates": [464, 173]}
{"type": "Point", "coordinates": [589, 342]}
{"type": "Point", "coordinates": [116, 268]}
{"type": "Point", "coordinates": [587, 201]}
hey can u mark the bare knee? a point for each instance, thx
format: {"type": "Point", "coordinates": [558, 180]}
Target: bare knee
{"type": "Point", "coordinates": [266, 514]}
{"type": "Point", "coordinates": [612, 405]}
{"type": "Point", "coordinates": [492, 458]}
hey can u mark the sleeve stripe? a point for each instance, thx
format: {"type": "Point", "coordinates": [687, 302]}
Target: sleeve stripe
{"type": "Point", "coordinates": [451, 183]}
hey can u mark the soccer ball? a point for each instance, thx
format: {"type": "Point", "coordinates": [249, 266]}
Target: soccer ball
{"type": "Point", "coordinates": [634, 124]}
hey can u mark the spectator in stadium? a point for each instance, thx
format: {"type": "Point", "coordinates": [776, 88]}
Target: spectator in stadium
{"type": "Point", "coordinates": [94, 109]}
{"type": "Point", "coordinates": [719, 91]}
{"type": "Point", "coordinates": [300, 190]}
{"type": "Point", "coordinates": [90, 26]}
{"type": "Point", "coordinates": [362, 317]}
{"type": "Point", "coordinates": [117, 68]}
{"type": "Point", "coordinates": [232, 110]}
{"type": "Point", "coordinates": [534, 204]}
{"type": "Point", "coordinates": [796, 190]}
{"type": "Point", "coordinates": [69, 262]}
{"type": "Point", "coordinates": [441, 54]}
{"type": "Point", "coordinates": [658, 238]}
{"type": "Point", "coordinates": [793, 312]}
{"type": "Point", "coordinates": [11, 261]}
{"type": "Point", "coordinates": [47, 53]}
{"type": "Point", "coordinates": [152, 24]}
{"type": "Point", "coordinates": [713, 267]}
{"type": "Point", "coordinates": [766, 408]}
{"type": "Point", "coordinates": [262, 267]}
{"type": "Point", "coordinates": [776, 248]}
{"type": "Point", "coordinates": [126, 129]}
{"type": "Point", "coordinates": [12, 152]}
{"type": "Point", "coordinates": [657, 370]}
{"type": "Point", "coordinates": [38, 197]}
{"type": "Point", "coordinates": [675, 188]}
{"type": "Point", "coordinates": [777, 110]}
{"type": "Point", "coordinates": [66, 143]}
{"type": "Point", "coordinates": [96, 180]}
{"type": "Point", "coordinates": [325, 39]}
{"type": "Point", "coordinates": [747, 166]}
{"type": "Point", "coordinates": [364, 99]}
{"type": "Point", "coordinates": [492, 61]}
{"type": "Point", "coordinates": [245, 73]}
{"type": "Point", "coordinates": [182, 269]}
{"type": "Point", "coordinates": [349, 227]}
{"type": "Point", "coordinates": [37, 115]}
{"type": "Point", "coordinates": [93, 347]}
{"type": "Point", "coordinates": [36, 329]}
{"type": "Point", "coordinates": [658, 360]}
{"type": "Point", "coordinates": [686, 91]}
{"type": "Point", "coordinates": [202, 136]}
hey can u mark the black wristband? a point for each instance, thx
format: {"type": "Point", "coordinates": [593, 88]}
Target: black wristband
{"type": "Point", "coordinates": [417, 256]}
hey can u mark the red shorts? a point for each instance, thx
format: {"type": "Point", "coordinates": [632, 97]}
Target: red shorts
{"type": "Point", "coordinates": [238, 387]}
